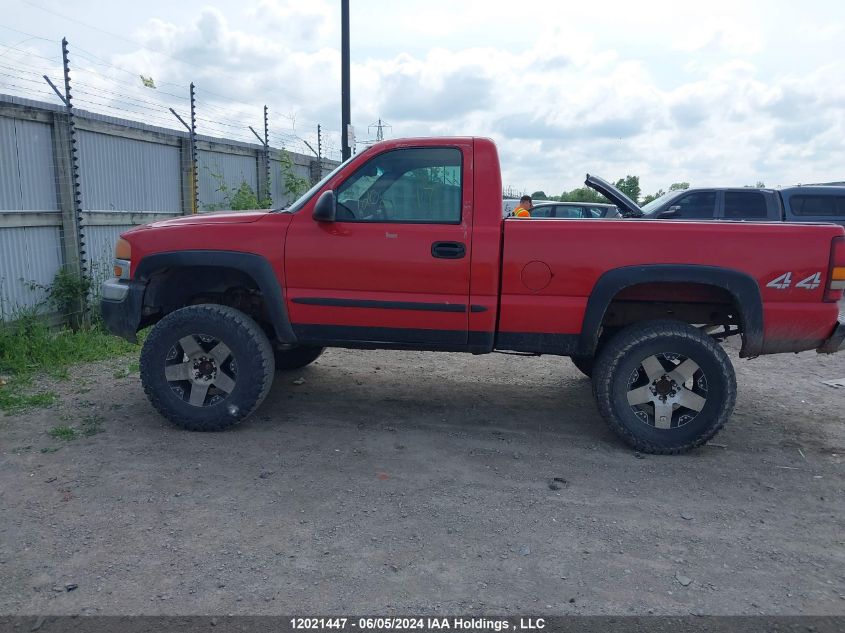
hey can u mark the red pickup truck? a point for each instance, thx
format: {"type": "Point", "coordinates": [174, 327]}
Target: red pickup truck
{"type": "Point", "coordinates": [404, 247]}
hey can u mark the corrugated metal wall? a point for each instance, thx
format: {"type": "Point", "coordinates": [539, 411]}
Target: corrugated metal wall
{"type": "Point", "coordinates": [122, 174]}
{"type": "Point", "coordinates": [216, 168]}
{"type": "Point", "coordinates": [29, 257]}
{"type": "Point", "coordinates": [29, 144]}
{"type": "Point", "coordinates": [124, 166]}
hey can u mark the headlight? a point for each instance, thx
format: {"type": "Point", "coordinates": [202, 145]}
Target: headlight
{"type": "Point", "coordinates": [122, 259]}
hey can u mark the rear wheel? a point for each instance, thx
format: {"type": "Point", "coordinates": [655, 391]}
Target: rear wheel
{"type": "Point", "coordinates": [664, 387]}
{"type": "Point", "coordinates": [206, 367]}
{"type": "Point", "coordinates": [297, 357]}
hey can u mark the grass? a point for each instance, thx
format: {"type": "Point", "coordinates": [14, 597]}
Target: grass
{"type": "Point", "coordinates": [12, 401]}
{"type": "Point", "coordinates": [91, 425]}
{"type": "Point", "coordinates": [123, 372]}
{"type": "Point", "coordinates": [63, 432]}
{"type": "Point", "coordinates": [88, 426]}
{"type": "Point", "coordinates": [30, 347]}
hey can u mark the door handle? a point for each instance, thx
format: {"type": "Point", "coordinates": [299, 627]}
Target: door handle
{"type": "Point", "coordinates": [448, 250]}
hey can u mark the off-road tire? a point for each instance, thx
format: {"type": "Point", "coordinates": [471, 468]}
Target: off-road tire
{"type": "Point", "coordinates": [297, 357]}
{"type": "Point", "coordinates": [249, 347]}
{"type": "Point", "coordinates": [584, 364]}
{"type": "Point", "coordinates": [622, 356]}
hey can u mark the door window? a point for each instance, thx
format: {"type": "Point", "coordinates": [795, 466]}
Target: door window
{"type": "Point", "coordinates": [818, 205]}
{"type": "Point", "coordinates": [570, 212]}
{"type": "Point", "coordinates": [545, 211]}
{"type": "Point", "coordinates": [701, 204]}
{"type": "Point", "coordinates": [419, 185]}
{"type": "Point", "coordinates": [741, 205]}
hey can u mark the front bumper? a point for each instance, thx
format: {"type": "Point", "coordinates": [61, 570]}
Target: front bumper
{"type": "Point", "coordinates": [836, 343]}
{"type": "Point", "coordinates": [121, 302]}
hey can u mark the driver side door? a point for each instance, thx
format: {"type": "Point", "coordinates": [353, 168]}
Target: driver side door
{"type": "Point", "coordinates": [393, 268]}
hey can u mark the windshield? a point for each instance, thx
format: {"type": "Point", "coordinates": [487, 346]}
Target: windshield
{"type": "Point", "coordinates": [305, 197]}
{"type": "Point", "coordinates": [658, 202]}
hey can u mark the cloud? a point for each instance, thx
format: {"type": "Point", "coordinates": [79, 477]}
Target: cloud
{"type": "Point", "coordinates": [695, 97]}
{"type": "Point", "coordinates": [407, 97]}
{"type": "Point", "coordinates": [516, 126]}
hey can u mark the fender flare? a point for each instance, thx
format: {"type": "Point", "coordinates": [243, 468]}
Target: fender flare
{"type": "Point", "coordinates": [256, 266]}
{"type": "Point", "coordinates": [741, 286]}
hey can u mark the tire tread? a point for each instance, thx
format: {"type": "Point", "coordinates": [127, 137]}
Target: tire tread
{"type": "Point", "coordinates": [232, 318]}
{"type": "Point", "coordinates": [616, 350]}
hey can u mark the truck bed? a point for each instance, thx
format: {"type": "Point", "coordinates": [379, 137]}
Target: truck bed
{"type": "Point", "coordinates": [551, 268]}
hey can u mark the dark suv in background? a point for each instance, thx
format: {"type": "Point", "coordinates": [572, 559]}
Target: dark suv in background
{"type": "Point", "coordinates": [792, 204]}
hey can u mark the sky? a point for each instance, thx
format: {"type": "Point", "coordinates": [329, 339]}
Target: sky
{"type": "Point", "coordinates": [714, 94]}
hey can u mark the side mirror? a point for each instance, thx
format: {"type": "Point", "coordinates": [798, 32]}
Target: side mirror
{"type": "Point", "coordinates": [325, 209]}
{"type": "Point", "coordinates": [671, 212]}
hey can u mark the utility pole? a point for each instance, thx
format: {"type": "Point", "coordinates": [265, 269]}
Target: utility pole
{"type": "Point", "coordinates": [346, 108]}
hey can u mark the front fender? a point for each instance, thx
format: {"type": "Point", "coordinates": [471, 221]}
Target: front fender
{"type": "Point", "coordinates": [256, 266]}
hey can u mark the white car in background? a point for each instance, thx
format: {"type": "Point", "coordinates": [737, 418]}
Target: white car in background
{"type": "Point", "coordinates": [508, 205]}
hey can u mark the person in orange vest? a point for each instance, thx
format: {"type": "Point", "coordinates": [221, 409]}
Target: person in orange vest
{"type": "Point", "coordinates": [524, 208]}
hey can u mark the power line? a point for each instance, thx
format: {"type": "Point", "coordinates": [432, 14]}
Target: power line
{"type": "Point", "coordinates": [31, 35]}
{"type": "Point", "coordinates": [139, 45]}
{"type": "Point", "coordinates": [91, 57]}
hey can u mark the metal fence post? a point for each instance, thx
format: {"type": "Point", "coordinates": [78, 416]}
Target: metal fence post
{"type": "Point", "coordinates": [194, 166]}
{"type": "Point", "coordinates": [262, 163]}
{"type": "Point", "coordinates": [69, 195]}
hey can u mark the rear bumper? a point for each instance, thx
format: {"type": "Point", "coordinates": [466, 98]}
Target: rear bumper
{"type": "Point", "coordinates": [836, 343]}
{"type": "Point", "coordinates": [121, 303]}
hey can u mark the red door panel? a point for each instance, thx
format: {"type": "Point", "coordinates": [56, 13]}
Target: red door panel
{"type": "Point", "coordinates": [391, 281]}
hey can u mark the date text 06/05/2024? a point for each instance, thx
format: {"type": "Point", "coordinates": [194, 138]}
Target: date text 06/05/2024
{"type": "Point", "coordinates": [416, 623]}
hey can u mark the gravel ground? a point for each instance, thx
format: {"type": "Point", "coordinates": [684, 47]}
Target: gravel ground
{"type": "Point", "coordinates": [399, 482]}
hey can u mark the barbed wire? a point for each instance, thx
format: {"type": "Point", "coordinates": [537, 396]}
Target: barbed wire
{"type": "Point", "coordinates": [104, 93]}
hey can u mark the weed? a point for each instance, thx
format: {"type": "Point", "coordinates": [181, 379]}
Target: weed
{"type": "Point", "coordinates": [63, 432]}
{"type": "Point", "coordinates": [30, 346]}
{"type": "Point", "coordinates": [88, 426]}
{"type": "Point", "coordinates": [50, 449]}
{"type": "Point", "coordinates": [91, 425]}
{"type": "Point", "coordinates": [123, 372]}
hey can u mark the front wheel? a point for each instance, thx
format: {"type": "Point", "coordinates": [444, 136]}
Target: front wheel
{"type": "Point", "coordinates": [206, 367]}
{"type": "Point", "coordinates": [664, 386]}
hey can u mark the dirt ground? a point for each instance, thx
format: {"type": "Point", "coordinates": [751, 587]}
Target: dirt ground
{"type": "Point", "coordinates": [399, 482]}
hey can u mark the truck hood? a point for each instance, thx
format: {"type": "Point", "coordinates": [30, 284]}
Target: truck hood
{"type": "Point", "coordinates": [240, 217]}
{"type": "Point", "coordinates": [627, 207]}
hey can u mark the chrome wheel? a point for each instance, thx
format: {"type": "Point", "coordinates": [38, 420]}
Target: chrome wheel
{"type": "Point", "coordinates": [200, 369]}
{"type": "Point", "coordinates": [667, 391]}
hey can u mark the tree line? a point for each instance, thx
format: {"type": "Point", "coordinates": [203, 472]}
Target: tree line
{"type": "Point", "coordinates": [629, 185]}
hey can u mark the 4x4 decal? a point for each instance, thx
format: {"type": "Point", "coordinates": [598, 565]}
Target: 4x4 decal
{"type": "Point", "coordinates": [784, 281]}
